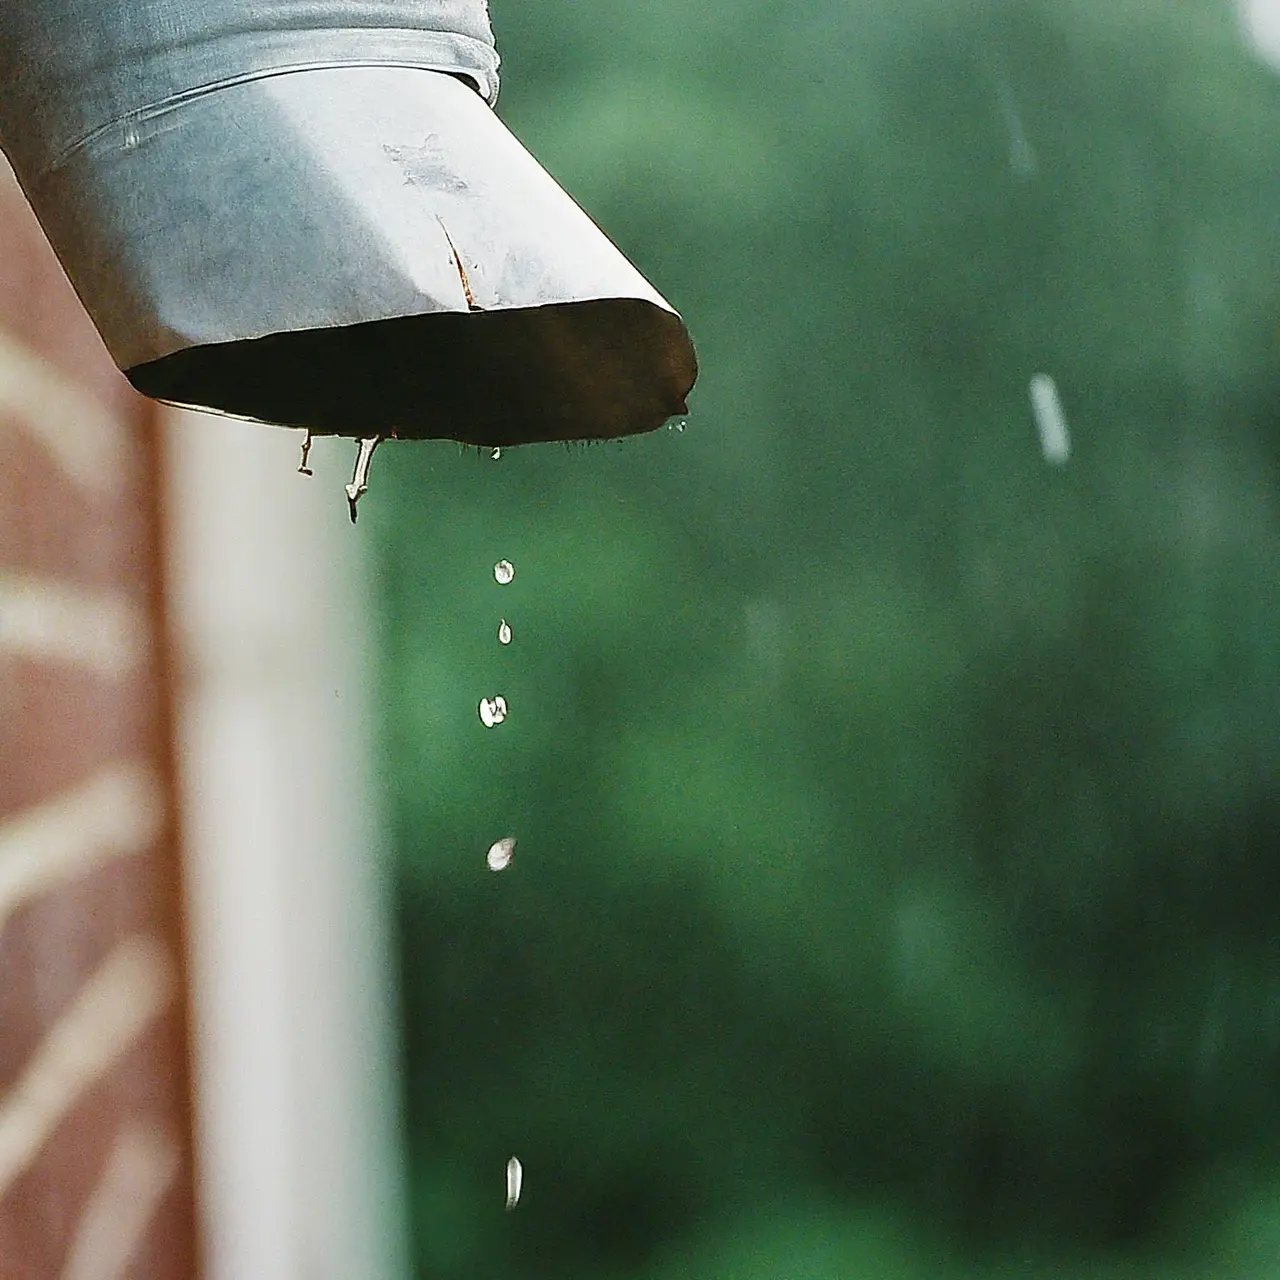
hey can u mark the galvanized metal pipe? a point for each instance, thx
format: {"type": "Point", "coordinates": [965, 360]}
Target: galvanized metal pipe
{"type": "Point", "coordinates": [308, 213]}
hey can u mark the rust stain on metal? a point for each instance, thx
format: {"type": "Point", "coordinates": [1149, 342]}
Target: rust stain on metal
{"type": "Point", "coordinates": [462, 271]}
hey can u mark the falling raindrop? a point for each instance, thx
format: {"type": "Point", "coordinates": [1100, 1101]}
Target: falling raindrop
{"type": "Point", "coordinates": [496, 453]}
{"type": "Point", "coordinates": [1261, 22]}
{"type": "Point", "coordinates": [493, 711]}
{"type": "Point", "coordinates": [515, 1180]}
{"type": "Point", "coordinates": [500, 853]}
{"type": "Point", "coordinates": [504, 632]}
{"type": "Point", "coordinates": [1022, 155]}
{"type": "Point", "coordinates": [1022, 158]}
{"type": "Point", "coordinates": [503, 572]}
{"type": "Point", "coordinates": [1051, 422]}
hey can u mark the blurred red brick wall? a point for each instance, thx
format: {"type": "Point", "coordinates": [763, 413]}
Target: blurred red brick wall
{"type": "Point", "coordinates": [95, 1151]}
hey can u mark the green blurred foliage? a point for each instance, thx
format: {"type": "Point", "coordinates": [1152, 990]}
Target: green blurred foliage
{"type": "Point", "coordinates": [898, 814]}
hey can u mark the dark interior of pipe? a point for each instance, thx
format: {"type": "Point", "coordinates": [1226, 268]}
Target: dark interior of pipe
{"type": "Point", "coordinates": [569, 371]}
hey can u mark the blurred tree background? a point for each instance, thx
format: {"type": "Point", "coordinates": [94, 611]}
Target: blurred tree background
{"type": "Point", "coordinates": [898, 812]}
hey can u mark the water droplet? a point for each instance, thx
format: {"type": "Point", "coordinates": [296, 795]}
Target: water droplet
{"type": "Point", "coordinates": [303, 469]}
{"type": "Point", "coordinates": [1051, 422]}
{"type": "Point", "coordinates": [503, 572]}
{"type": "Point", "coordinates": [515, 1180]}
{"type": "Point", "coordinates": [493, 711]}
{"type": "Point", "coordinates": [495, 454]}
{"type": "Point", "coordinates": [500, 853]}
{"type": "Point", "coordinates": [359, 485]}
{"type": "Point", "coordinates": [504, 632]}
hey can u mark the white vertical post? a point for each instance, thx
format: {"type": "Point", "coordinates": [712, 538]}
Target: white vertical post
{"type": "Point", "coordinates": [296, 1096]}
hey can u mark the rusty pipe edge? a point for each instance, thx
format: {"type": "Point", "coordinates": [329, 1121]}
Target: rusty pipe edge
{"type": "Point", "coordinates": [326, 228]}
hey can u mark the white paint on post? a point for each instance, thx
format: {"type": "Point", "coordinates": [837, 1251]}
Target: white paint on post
{"type": "Point", "coordinates": [291, 976]}
{"type": "Point", "coordinates": [52, 620]}
{"type": "Point", "coordinates": [89, 444]}
{"type": "Point", "coordinates": [106, 1018]}
{"type": "Point", "coordinates": [140, 1169]}
{"type": "Point", "coordinates": [117, 813]}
